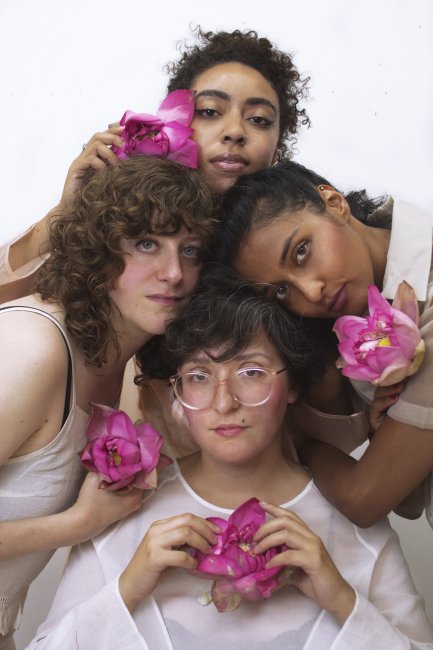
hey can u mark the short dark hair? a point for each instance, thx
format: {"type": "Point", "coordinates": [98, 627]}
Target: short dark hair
{"type": "Point", "coordinates": [247, 47]}
{"type": "Point", "coordinates": [227, 311]}
{"type": "Point", "coordinates": [137, 196]}
{"type": "Point", "coordinates": [261, 197]}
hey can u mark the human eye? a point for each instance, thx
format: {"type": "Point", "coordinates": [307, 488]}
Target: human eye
{"type": "Point", "coordinates": [301, 252]}
{"type": "Point", "coordinates": [281, 291]}
{"type": "Point", "coordinates": [251, 373]}
{"type": "Point", "coordinates": [193, 252]}
{"type": "Point", "coordinates": [206, 113]}
{"type": "Point", "coordinates": [146, 245]}
{"type": "Point", "coordinates": [260, 120]}
{"type": "Point", "coordinates": [196, 377]}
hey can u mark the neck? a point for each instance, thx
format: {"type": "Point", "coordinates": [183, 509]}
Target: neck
{"type": "Point", "coordinates": [377, 240]}
{"type": "Point", "coordinates": [269, 477]}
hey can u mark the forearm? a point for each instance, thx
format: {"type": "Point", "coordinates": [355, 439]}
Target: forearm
{"type": "Point", "coordinates": [32, 244]}
{"type": "Point", "coordinates": [24, 536]}
{"type": "Point", "coordinates": [335, 475]}
{"type": "Point", "coordinates": [412, 506]}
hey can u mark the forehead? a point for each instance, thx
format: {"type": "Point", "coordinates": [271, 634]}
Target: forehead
{"type": "Point", "coordinates": [260, 348]}
{"type": "Point", "coordinates": [235, 79]}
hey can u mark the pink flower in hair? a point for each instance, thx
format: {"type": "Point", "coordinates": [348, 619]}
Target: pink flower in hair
{"type": "Point", "coordinates": [164, 135]}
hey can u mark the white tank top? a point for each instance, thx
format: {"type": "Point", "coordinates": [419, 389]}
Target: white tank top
{"type": "Point", "coordinates": [44, 482]}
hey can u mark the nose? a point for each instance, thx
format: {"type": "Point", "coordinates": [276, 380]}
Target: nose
{"type": "Point", "coordinates": [311, 289]}
{"type": "Point", "coordinates": [234, 130]}
{"type": "Point", "coordinates": [171, 268]}
{"type": "Point", "coordinates": [224, 401]}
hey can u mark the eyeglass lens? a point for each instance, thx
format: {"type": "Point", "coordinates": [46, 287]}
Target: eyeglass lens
{"type": "Point", "coordinates": [250, 386]}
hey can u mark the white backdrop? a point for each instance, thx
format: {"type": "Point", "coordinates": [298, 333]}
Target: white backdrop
{"type": "Point", "coordinates": [68, 68]}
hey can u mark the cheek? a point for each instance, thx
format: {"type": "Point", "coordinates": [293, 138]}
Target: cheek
{"type": "Point", "coordinates": [191, 276]}
{"type": "Point", "coordinates": [133, 275]}
{"type": "Point", "coordinates": [195, 421]}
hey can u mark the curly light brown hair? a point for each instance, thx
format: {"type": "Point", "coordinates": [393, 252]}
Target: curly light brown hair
{"type": "Point", "coordinates": [136, 197]}
{"type": "Point", "coordinates": [247, 47]}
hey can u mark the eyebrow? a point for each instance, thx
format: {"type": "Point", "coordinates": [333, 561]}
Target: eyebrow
{"type": "Point", "coordinates": [286, 247]}
{"type": "Point", "coordinates": [251, 101]}
{"type": "Point", "coordinates": [242, 356]}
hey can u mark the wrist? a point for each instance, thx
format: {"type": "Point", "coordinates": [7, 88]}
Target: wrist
{"type": "Point", "coordinates": [344, 605]}
{"type": "Point", "coordinates": [129, 597]}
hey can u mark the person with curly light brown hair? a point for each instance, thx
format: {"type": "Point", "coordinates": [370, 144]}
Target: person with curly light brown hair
{"type": "Point", "coordinates": [125, 258]}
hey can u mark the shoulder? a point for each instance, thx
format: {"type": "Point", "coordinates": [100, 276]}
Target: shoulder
{"type": "Point", "coordinates": [32, 346]}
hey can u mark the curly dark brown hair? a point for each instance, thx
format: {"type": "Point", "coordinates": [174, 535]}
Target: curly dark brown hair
{"type": "Point", "coordinates": [258, 53]}
{"type": "Point", "coordinates": [138, 196]}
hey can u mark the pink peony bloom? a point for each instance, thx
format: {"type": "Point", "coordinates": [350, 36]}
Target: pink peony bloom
{"type": "Point", "coordinates": [164, 135]}
{"type": "Point", "coordinates": [121, 452]}
{"type": "Point", "coordinates": [237, 571]}
{"type": "Point", "coordinates": [386, 346]}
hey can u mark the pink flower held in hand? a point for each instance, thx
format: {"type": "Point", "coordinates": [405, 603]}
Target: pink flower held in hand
{"type": "Point", "coordinates": [237, 571]}
{"type": "Point", "coordinates": [386, 346]}
{"type": "Point", "coordinates": [165, 135]}
{"type": "Point", "coordinates": [121, 452]}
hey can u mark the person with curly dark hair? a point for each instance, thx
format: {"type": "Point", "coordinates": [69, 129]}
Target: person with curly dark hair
{"type": "Point", "coordinates": [249, 97]}
{"type": "Point", "coordinates": [126, 255]}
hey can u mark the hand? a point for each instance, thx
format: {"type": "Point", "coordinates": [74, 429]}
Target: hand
{"type": "Point", "coordinates": [161, 548]}
{"type": "Point", "coordinates": [96, 508]}
{"type": "Point", "coordinates": [384, 397]}
{"type": "Point", "coordinates": [96, 155]}
{"type": "Point", "coordinates": [315, 574]}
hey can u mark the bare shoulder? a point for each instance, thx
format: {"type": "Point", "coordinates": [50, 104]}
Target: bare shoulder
{"type": "Point", "coordinates": [32, 374]}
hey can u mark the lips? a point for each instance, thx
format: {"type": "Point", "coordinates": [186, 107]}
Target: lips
{"type": "Point", "coordinates": [229, 430]}
{"type": "Point", "coordinates": [338, 300]}
{"type": "Point", "coordinates": [164, 299]}
{"type": "Point", "coordinates": [229, 162]}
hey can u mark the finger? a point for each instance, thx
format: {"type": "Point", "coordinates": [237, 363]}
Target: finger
{"type": "Point", "coordinates": [189, 521]}
{"type": "Point", "coordinates": [107, 138]}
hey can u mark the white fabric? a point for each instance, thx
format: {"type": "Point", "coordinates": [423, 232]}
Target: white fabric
{"type": "Point", "coordinates": [21, 282]}
{"type": "Point", "coordinates": [88, 612]}
{"type": "Point", "coordinates": [409, 252]}
{"type": "Point", "coordinates": [40, 483]}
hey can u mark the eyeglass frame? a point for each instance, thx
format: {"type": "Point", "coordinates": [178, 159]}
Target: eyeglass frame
{"type": "Point", "coordinates": [217, 382]}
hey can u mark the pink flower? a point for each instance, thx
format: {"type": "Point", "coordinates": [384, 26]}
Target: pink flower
{"type": "Point", "coordinates": [165, 135]}
{"type": "Point", "coordinates": [122, 453]}
{"type": "Point", "coordinates": [237, 571]}
{"type": "Point", "coordinates": [386, 346]}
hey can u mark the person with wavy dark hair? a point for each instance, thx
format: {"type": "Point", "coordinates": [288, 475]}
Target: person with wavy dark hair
{"type": "Point", "coordinates": [126, 256]}
{"type": "Point", "coordinates": [317, 251]}
{"type": "Point", "coordinates": [287, 570]}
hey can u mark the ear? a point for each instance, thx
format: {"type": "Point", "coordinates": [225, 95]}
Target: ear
{"type": "Point", "coordinates": [276, 157]}
{"type": "Point", "coordinates": [336, 204]}
{"type": "Point", "coordinates": [292, 395]}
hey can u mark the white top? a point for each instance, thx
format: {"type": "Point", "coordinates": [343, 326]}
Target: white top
{"type": "Point", "coordinates": [410, 258]}
{"type": "Point", "coordinates": [89, 613]}
{"type": "Point", "coordinates": [40, 483]}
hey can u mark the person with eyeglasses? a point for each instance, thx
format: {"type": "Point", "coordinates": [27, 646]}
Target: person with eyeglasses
{"type": "Point", "coordinates": [241, 361]}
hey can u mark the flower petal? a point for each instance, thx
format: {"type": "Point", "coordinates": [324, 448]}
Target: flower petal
{"type": "Point", "coordinates": [248, 513]}
{"type": "Point", "coordinates": [178, 106]}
